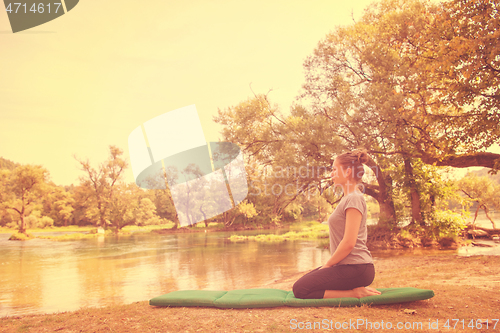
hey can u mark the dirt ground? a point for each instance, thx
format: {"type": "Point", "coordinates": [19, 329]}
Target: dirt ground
{"type": "Point", "coordinates": [467, 299]}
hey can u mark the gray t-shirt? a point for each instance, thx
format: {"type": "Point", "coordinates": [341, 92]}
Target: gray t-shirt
{"type": "Point", "coordinates": [336, 224]}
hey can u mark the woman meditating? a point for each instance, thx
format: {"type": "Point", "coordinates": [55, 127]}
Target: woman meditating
{"type": "Point", "coordinates": [350, 269]}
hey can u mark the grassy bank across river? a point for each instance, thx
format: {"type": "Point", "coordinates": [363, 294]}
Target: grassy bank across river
{"type": "Point", "coordinates": [76, 232]}
{"type": "Point", "coordinates": [466, 297]}
{"type": "Point", "coordinates": [307, 230]}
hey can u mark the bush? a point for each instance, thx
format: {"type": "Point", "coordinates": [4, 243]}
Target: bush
{"type": "Point", "coordinates": [45, 222]}
{"type": "Point", "coordinates": [446, 224]}
{"type": "Point", "coordinates": [12, 225]}
{"type": "Point", "coordinates": [31, 221]}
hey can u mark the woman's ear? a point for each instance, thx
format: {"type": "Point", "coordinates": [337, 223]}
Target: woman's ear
{"type": "Point", "coordinates": [348, 173]}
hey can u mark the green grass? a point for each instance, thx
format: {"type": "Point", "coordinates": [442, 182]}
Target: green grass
{"type": "Point", "coordinates": [309, 231]}
{"type": "Point", "coordinates": [69, 237]}
{"type": "Point", "coordinates": [69, 228]}
{"type": "Point", "coordinates": [21, 237]}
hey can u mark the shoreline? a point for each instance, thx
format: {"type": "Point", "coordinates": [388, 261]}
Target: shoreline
{"type": "Point", "coordinates": [377, 239]}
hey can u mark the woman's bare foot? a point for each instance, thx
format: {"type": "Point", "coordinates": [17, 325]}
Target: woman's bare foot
{"type": "Point", "coordinates": [374, 290]}
{"type": "Point", "coordinates": [365, 291]}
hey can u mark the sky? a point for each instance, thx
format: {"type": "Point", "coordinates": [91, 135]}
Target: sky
{"type": "Point", "coordinates": [84, 81]}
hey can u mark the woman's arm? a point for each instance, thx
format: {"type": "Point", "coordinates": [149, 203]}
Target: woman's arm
{"type": "Point", "coordinates": [352, 223]}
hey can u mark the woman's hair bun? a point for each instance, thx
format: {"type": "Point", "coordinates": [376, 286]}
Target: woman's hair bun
{"type": "Point", "coordinates": [362, 155]}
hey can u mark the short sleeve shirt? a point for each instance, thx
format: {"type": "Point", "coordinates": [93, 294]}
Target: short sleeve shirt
{"type": "Point", "coordinates": [336, 224]}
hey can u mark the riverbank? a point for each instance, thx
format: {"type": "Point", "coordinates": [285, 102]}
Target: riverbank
{"type": "Point", "coordinates": [466, 288]}
{"type": "Point", "coordinates": [76, 233]}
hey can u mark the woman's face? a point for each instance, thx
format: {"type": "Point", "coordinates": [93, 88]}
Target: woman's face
{"type": "Point", "coordinates": [340, 175]}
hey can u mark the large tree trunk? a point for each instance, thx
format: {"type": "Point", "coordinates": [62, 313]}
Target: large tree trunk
{"type": "Point", "coordinates": [383, 195]}
{"type": "Point", "coordinates": [22, 229]}
{"type": "Point", "coordinates": [102, 221]}
{"type": "Point", "coordinates": [416, 216]}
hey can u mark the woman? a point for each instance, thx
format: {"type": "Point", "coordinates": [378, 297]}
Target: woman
{"type": "Point", "coordinates": [350, 269]}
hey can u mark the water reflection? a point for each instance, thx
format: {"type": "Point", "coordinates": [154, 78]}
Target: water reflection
{"type": "Point", "coordinates": [42, 276]}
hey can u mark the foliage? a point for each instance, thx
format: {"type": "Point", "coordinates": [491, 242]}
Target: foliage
{"type": "Point", "coordinates": [247, 210]}
{"type": "Point", "coordinates": [432, 184]}
{"type": "Point", "coordinates": [316, 231]}
{"type": "Point", "coordinates": [485, 172]}
{"type": "Point", "coordinates": [460, 49]}
{"type": "Point", "coordinates": [7, 164]}
{"type": "Point", "coordinates": [294, 211]}
{"type": "Point", "coordinates": [21, 236]}
{"type": "Point", "coordinates": [286, 158]}
{"type": "Point", "coordinates": [36, 220]}
{"type": "Point", "coordinates": [445, 223]}
{"type": "Point", "coordinates": [146, 213]}
{"type": "Point", "coordinates": [481, 191]}
{"type": "Point", "coordinates": [58, 205]}
{"type": "Point", "coordinates": [162, 200]}
{"type": "Point", "coordinates": [131, 206]}
{"type": "Point", "coordinates": [98, 186]}
{"type": "Point", "coordinates": [21, 189]}
{"type": "Point", "coordinates": [372, 208]}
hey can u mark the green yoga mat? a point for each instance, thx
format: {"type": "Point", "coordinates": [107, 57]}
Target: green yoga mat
{"type": "Point", "coordinates": [266, 298]}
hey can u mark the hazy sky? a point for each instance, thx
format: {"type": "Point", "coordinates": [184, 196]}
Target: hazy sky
{"type": "Point", "coordinates": [84, 81]}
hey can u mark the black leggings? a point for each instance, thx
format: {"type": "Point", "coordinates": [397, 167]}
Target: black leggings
{"type": "Point", "coordinates": [341, 277]}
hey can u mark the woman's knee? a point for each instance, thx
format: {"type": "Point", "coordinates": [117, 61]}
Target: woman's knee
{"type": "Point", "coordinates": [369, 275]}
{"type": "Point", "coordinates": [299, 291]}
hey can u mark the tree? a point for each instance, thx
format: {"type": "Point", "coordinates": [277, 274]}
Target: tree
{"type": "Point", "coordinates": [164, 206]}
{"type": "Point", "coordinates": [376, 82]}
{"type": "Point", "coordinates": [58, 204]}
{"type": "Point", "coordinates": [295, 152]}
{"type": "Point", "coordinates": [159, 193]}
{"type": "Point", "coordinates": [122, 206]}
{"type": "Point", "coordinates": [480, 190]}
{"type": "Point", "coordinates": [282, 161]}
{"type": "Point", "coordinates": [244, 208]}
{"type": "Point", "coordinates": [100, 185]}
{"type": "Point", "coordinates": [187, 190]}
{"type": "Point", "coordinates": [130, 206]}
{"type": "Point", "coordinates": [82, 206]}
{"type": "Point", "coordinates": [5, 216]}
{"type": "Point", "coordinates": [146, 213]}
{"type": "Point", "coordinates": [23, 188]}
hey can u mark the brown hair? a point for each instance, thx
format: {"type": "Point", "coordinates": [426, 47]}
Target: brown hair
{"type": "Point", "coordinates": [354, 160]}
